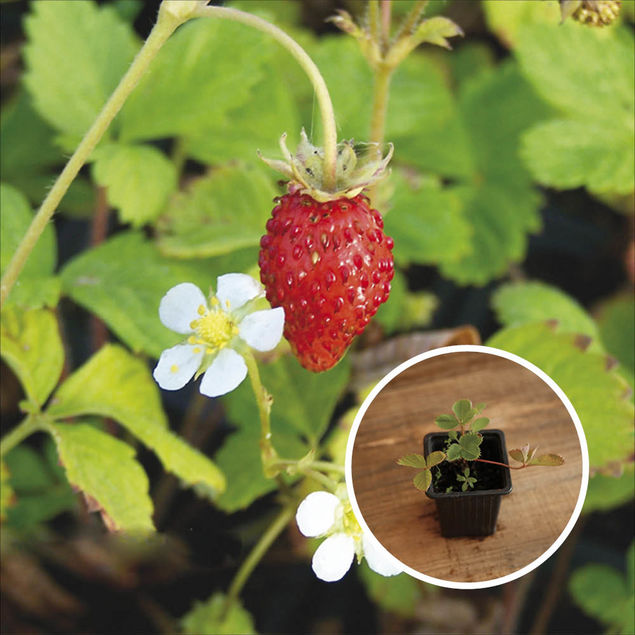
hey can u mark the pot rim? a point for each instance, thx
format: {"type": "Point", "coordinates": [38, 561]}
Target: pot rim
{"type": "Point", "coordinates": [506, 489]}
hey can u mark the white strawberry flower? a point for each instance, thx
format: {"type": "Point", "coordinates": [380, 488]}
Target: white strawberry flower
{"type": "Point", "coordinates": [219, 333]}
{"type": "Point", "coordinates": [325, 514]}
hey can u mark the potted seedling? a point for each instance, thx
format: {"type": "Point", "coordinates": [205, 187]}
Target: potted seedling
{"type": "Point", "coordinates": [466, 471]}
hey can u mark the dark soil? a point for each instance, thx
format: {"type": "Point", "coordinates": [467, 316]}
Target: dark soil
{"type": "Point", "coordinates": [487, 476]}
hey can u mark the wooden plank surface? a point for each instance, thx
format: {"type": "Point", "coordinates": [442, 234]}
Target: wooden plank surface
{"type": "Point", "coordinates": [404, 519]}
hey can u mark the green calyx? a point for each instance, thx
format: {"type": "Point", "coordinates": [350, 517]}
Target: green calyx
{"type": "Point", "coordinates": [357, 166]}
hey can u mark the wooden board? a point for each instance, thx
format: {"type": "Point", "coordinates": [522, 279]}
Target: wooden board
{"type": "Point", "coordinates": [404, 520]}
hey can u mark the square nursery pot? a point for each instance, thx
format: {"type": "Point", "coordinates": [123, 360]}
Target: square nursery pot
{"type": "Point", "coordinates": [474, 512]}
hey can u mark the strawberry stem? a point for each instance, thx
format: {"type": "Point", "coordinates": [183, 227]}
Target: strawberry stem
{"type": "Point", "coordinates": [308, 65]}
{"type": "Point", "coordinates": [511, 467]}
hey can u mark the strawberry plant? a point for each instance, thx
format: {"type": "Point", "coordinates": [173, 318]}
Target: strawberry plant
{"type": "Point", "coordinates": [185, 339]}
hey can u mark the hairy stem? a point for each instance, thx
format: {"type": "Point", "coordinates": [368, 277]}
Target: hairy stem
{"type": "Point", "coordinates": [412, 19]}
{"type": "Point", "coordinates": [319, 85]}
{"type": "Point", "coordinates": [263, 400]}
{"type": "Point", "coordinates": [165, 26]}
{"type": "Point", "coordinates": [381, 89]}
{"type": "Point", "coordinates": [321, 466]}
{"type": "Point", "coordinates": [256, 554]}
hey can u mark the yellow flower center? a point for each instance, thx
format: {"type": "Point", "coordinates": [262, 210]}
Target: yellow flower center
{"type": "Point", "coordinates": [214, 329]}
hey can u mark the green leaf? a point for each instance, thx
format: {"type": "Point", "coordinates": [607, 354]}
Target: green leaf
{"type": "Point", "coordinates": [195, 80]}
{"type": "Point", "coordinates": [36, 285]}
{"type": "Point", "coordinates": [608, 492]}
{"type": "Point", "coordinates": [209, 617]}
{"type": "Point", "coordinates": [113, 383]}
{"type": "Point", "coordinates": [454, 452]}
{"type": "Point", "coordinates": [32, 348]}
{"type": "Point", "coordinates": [225, 211]}
{"type": "Point", "coordinates": [565, 154]}
{"type": "Point", "coordinates": [434, 458]}
{"type": "Point", "coordinates": [398, 594]}
{"type": "Point", "coordinates": [436, 30]}
{"type": "Point", "coordinates": [75, 55]}
{"type": "Point", "coordinates": [522, 302]}
{"type": "Point", "coordinates": [422, 480]}
{"type": "Point", "coordinates": [599, 395]}
{"type": "Point", "coordinates": [615, 322]}
{"type": "Point", "coordinates": [139, 180]}
{"type": "Point", "coordinates": [602, 592]}
{"type": "Point", "coordinates": [413, 460]}
{"type": "Point", "coordinates": [478, 424]}
{"type": "Point", "coordinates": [7, 495]}
{"type": "Point", "coordinates": [547, 460]}
{"type": "Point", "coordinates": [302, 408]}
{"type": "Point", "coordinates": [591, 144]}
{"type": "Point", "coordinates": [499, 202]}
{"type": "Point", "coordinates": [105, 469]}
{"type": "Point", "coordinates": [447, 422]}
{"type": "Point", "coordinates": [41, 489]}
{"type": "Point", "coordinates": [462, 409]}
{"type": "Point", "coordinates": [426, 222]}
{"type": "Point", "coordinates": [106, 281]}
{"type": "Point", "coordinates": [470, 446]}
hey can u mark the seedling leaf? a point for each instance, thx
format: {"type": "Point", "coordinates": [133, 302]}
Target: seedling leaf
{"type": "Point", "coordinates": [447, 422]}
{"type": "Point", "coordinates": [462, 409]}
{"type": "Point", "coordinates": [479, 424]}
{"type": "Point", "coordinates": [454, 452]}
{"type": "Point", "coordinates": [517, 455]}
{"type": "Point", "coordinates": [422, 480]}
{"type": "Point", "coordinates": [469, 444]}
{"type": "Point", "coordinates": [546, 459]}
{"type": "Point", "coordinates": [415, 460]}
{"type": "Point", "coordinates": [434, 458]}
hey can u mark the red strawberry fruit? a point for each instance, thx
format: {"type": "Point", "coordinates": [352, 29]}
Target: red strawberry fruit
{"type": "Point", "coordinates": [327, 262]}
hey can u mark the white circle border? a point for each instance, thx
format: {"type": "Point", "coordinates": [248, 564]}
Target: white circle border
{"type": "Point", "coordinates": [471, 348]}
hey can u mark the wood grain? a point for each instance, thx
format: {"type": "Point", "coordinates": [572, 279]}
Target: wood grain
{"type": "Point", "coordinates": [404, 520]}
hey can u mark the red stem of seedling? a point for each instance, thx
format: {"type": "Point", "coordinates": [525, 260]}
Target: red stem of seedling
{"type": "Point", "coordinates": [511, 467]}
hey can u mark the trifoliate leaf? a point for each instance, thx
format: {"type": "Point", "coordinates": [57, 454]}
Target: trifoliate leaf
{"type": "Point", "coordinates": [113, 383]}
{"type": "Point", "coordinates": [522, 302]}
{"type": "Point", "coordinates": [434, 458]}
{"type": "Point", "coordinates": [478, 424]}
{"type": "Point", "coordinates": [220, 213]}
{"type": "Point", "coordinates": [210, 617]}
{"type": "Point", "coordinates": [591, 143]}
{"type": "Point", "coordinates": [598, 393]}
{"type": "Point", "coordinates": [462, 408]}
{"type": "Point", "coordinates": [426, 222]}
{"type": "Point", "coordinates": [104, 468]}
{"type": "Point", "coordinates": [106, 281]}
{"type": "Point", "coordinates": [32, 348]}
{"type": "Point", "coordinates": [194, 80]}
{"type": "Point", "coordinates": [422, 480]}
{"type": "Point", "coordinates": [447, 422]}
{"type": "Point", "coordinates": [398, 594]}
{"type": "Point", "coordinates": [413, 460]}
{"type": "Point", "coordinates": [36, 285]}
{"type": "Point", "coordinates": [75, 55]}
{"type": "Point", "coordinates": [138, 179]}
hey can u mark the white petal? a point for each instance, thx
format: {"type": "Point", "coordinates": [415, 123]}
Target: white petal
{"type": "Point", "coordinates": [179, 306]}
{"type": "Point", "coordinates": [236, 288]}
{"type": "Point", "coordinates": [333, 558]}
{"type": "Point", "coordinates": [262, 330]}
{"type": "Point", "coordinates": [225, 373]}
{"type": "Point", "coordinates": [177, 366]}
{"type": "Point", "coordinates": [378, 558]}
{"type": "Point", "coordinates": [316, 513]}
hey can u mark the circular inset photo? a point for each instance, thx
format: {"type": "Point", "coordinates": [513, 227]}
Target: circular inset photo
{"type": "Point", "coordinates": [469, 465]}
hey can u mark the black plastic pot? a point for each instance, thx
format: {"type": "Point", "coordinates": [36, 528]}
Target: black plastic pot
{"type": "Point", "coordinates": [474, 512]}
